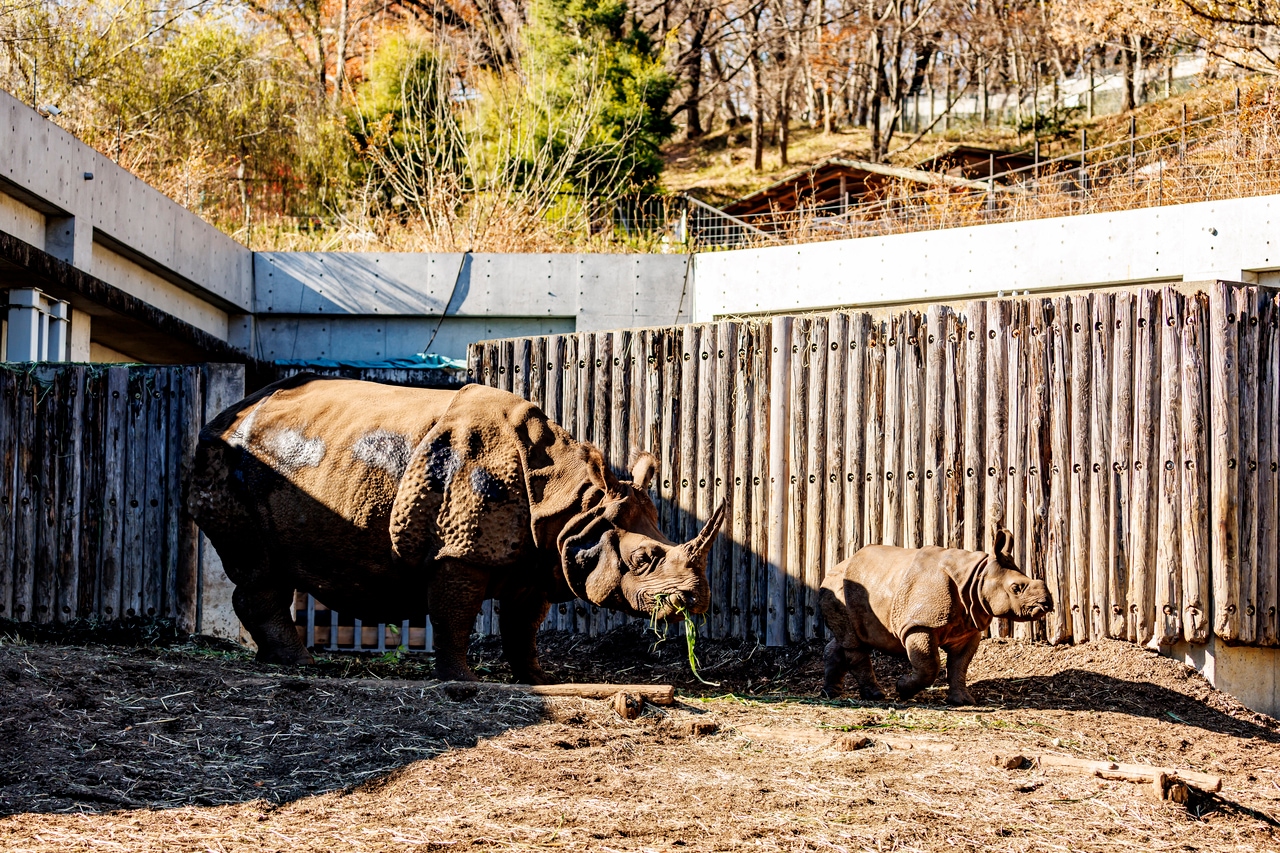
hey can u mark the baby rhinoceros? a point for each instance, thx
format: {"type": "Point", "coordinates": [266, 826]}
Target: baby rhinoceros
{"type": "Point", "coordinates": [914, 601]}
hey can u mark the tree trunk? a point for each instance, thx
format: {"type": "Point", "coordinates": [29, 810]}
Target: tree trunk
{"type": "Point", "coordinates": [757, 111]}
{"type": "Point", "coordinates": [1139, 84]}
{"type": "Point", "coordinates": [875, 93]}
{"type": "Point", "coordinates": [1126, 56]}
{"type": "Point", "coordinates": [340, 62]}
{"type": "Point", "coordinates": [693, 69]}
{"type": "Point", "coordinates": [784, 122]}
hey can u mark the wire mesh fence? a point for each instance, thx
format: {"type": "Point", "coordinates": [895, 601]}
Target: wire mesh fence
{"type": "Point", "coordinates": [1226, 155]}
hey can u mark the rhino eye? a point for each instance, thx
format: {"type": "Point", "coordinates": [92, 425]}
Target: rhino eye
{"type": "Point", "coordinates": [643, 560]}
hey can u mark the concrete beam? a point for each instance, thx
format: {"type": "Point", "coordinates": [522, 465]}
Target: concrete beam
{"type": "Point", "coordinates": [87, 198]}
{"type": "Point", "coordinates": [122, 322]}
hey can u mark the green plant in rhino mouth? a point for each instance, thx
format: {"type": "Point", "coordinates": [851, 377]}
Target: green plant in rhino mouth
{"type": "Point", "coordinates": [690, 633]}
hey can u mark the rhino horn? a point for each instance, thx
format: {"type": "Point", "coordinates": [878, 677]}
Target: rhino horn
{"type": "Point", "coordinates": [696, 549]}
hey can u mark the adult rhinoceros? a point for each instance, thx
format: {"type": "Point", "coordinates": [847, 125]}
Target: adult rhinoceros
{"type": "Point", "coordinates": [388, 502]}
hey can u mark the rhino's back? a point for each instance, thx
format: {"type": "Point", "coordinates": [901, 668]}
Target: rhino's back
{"type": "Point", "coordinates": [311, 463]}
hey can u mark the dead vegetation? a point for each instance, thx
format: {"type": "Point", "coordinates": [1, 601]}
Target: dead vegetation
{"type": "Point", "coordinates": [190, 747]}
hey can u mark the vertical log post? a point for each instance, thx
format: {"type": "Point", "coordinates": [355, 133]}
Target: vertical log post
{"type": "Point", "coordinates": [1100, 471]}
{"type": "Point", "coordinates": [779, 478]}
{"type": "Point", "coordinates": [798, 452]}
{"type": "Point", "coordinates": [1081, 420]}
{"type": "Point", "coordinates": [1059, 624]}
{"type": "Point", "coordinates": [914, 347]}
{"type": "Point", "coordinates": [895, 346]}
{"type": "Point", "coordinates": [1196, 547]}
{"type": "Point", "coordinates": [1146, 436]}
{"type": "Point", "coordinates": [1121, 465]}
{"type": "Point", "coordinates": [935, 401]}
{"type": "Point", "coordinates": [813, 509]}
{"type": "Point", "coordinates": [874, 444]}
{"type": "Point", "coordinates": [975, 469]}
{"type": "Point", "coordinates": [1224, 390]}
{"type": "Point", "coordinates": [741, 417]}
{"type": "Point", "coordinates": [838, 414]}
{"type": "Point", "coordinates": [1167, 626]}
{"type": "Point", "coordinates": [1268, 618]}
{"type": "Point", "coordinates": [1247, 462]}
{"type": "Point", "coordinates": [855, 449]}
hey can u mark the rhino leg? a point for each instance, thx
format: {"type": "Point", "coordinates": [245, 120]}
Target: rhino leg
{"type": "Point", "coordinates": [264, 610]}
{"type": "Point", "coordinates": [454, 600]}
{"type": "Point", "coordinates": [846, 652]}
{"type": "Point", "coordinates": [958, 672]}
{"type": "Point", "coordinates": [922, 651]}
{"type": "Point", "coordinates": [839, 660]}
{"type": "Point", "coordinates": [518, 621]}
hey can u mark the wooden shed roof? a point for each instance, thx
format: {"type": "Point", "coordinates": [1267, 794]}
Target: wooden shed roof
{"type": "Point", "coordinates": [832, 181]}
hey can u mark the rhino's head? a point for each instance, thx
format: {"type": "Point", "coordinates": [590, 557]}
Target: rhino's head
{"type": "Point", "coordinates": [1007, 592]}
{"type": "Point", "coordinates": [617, 557]}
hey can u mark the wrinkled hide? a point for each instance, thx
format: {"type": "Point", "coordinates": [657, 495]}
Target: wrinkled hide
{"type": "Point", "coordinates": [386, 503]}
{"type": "Point", "coordinates": [914, 602]}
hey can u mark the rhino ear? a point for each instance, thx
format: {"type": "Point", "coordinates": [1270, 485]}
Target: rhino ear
{"type": "Point", "coordinates": [592, 563]}
{"type": "Point", "coordinates": [1004, 543]}
{"type": "Point", "coordinates": [643, 468]}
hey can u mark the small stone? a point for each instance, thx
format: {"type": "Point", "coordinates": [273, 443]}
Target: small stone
{"type": "Point", "coordinates": [628, 705]}
{"type": "Point", "coordinates": [848, 743]}
{"type": "Point", "coordinates": [701, 728]}
{"type": "Point", "coordinates": [1009, 762]}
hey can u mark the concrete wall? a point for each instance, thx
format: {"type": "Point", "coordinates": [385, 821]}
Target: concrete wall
{"type": "Point", "coordinates": [382, 305]}
{"type": "Point", "coordinates": [1251, 675]}
{"type": "Point", "coordinates": [1235, 240]}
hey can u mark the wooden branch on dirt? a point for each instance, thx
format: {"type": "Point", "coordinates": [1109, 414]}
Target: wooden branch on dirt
{"type": "Point", "coordinates": [658, 694]}
{"type": "Point", "coordinates": [1133, 772]}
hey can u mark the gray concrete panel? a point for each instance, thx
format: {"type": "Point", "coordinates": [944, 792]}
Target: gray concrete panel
{"type": "Point", "coordinates": [625, 291]}
{"type": "Point", "coordinates": [628, 290]}
{"type": "Point", "coordinates": [370, 339]}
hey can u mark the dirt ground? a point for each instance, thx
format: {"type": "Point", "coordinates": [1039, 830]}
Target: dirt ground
{"type": "Point", "coordinates": [175, 745]}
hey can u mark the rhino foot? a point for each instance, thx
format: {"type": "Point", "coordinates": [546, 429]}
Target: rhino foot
{"type": "Point", "coordinates": [454, 673]}
{"type": "Point", "coordinates": [872, 692]}
{"type": "Point", "coordinates": [830, 692]}
{"type": "Point", "coordinates": [960, 697]}
{"type": "Point", "coordinates": [909, 686]}
{"type": "Point", "coordinates": [284, 656]}
{"type": "Point", "coordinates": [535, 676]}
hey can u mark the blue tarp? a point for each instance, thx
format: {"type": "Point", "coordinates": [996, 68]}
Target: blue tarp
{"type": "Point", "coordinates": [418, 360]}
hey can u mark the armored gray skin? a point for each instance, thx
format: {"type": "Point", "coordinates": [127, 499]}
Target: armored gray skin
{"type": "Point", "coordinates": [388, 502]}
{"type": "Point", "coordinates": [914, 602]}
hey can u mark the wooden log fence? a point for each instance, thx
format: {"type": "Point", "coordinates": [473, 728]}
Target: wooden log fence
{"type": "Point", "coordinates": [1128, 439]}
{"type": "Point", "coordinates": [93, 460]}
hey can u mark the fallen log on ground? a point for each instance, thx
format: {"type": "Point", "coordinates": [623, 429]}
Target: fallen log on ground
{"type": "Point", "coordinates": [1133, 772]}
{"type": "Point", "coordinates": [658, 694]}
